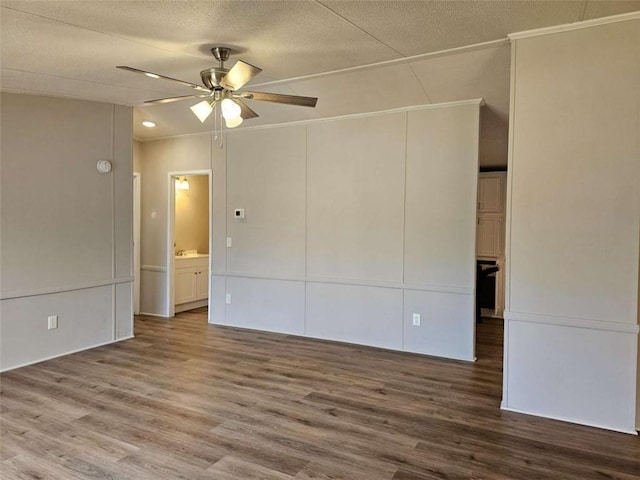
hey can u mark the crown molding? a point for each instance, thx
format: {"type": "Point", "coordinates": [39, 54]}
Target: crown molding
{"type": "Point", "coordinates": [575, 26]}
{"type": "Point", "coordinates": [502, 42]}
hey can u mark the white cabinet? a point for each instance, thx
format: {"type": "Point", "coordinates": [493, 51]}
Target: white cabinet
{"type": "Point", "coordinates": [490, 231]}
{"type": "Point", "coordinates": [202, 283]}
{"type": "Point", "coordinates": [489, 236]}
{"type": "Point", "coordinates": [191, 280]}
{"type": "Point", "coordinates": [185, 284]}
{"type": "Point", "coordinates": [491, 192]}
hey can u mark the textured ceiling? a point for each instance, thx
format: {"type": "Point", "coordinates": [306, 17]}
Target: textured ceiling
{"type": "Point", "coordinates": [70, 48]}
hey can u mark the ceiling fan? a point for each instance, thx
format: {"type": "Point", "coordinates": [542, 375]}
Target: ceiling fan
{"type": "Point", "coordinates": [221, 85]}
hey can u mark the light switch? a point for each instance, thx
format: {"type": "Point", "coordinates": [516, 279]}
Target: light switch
{"type": "Point", "coordinates": [416, 319]}
{"type": "Point", "coordinates": [229, 242]}
{"type": "Point", "coordinates": [52, 322]}
{"type": "Point", "coordinates": [227, 298]}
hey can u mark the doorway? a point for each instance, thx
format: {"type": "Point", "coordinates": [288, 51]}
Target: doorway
{"type": "Point", "coordinates": [490, 261]}
{"type": "Point", "coordinates": [189, 242]}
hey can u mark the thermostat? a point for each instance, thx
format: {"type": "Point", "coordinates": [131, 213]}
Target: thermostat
{"type": "Point", "coordinates": [104, 166]}
{"type": "Point", "coordinates": [239, 213]}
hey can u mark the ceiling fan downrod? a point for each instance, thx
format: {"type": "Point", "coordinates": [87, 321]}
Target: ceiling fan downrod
{"type": "Point", "coordinates": [211, 77]}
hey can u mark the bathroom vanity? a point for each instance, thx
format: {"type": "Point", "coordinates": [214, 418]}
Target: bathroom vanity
{"type": "Point", "coordinates": [191, 282]}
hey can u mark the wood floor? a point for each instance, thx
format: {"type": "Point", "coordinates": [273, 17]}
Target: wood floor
{"type": "Point", "coordinates": [186, 400]}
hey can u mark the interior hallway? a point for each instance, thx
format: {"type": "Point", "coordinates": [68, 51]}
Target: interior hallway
{"type": "Point", "coordinates": [192, 401]}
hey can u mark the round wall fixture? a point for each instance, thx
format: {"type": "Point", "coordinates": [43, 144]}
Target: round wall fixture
{"type": "Point", "coordinates": [104, 166]}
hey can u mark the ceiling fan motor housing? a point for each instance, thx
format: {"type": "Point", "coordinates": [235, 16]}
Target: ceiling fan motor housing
{"type": "Point", "coordinates": [211, 77]}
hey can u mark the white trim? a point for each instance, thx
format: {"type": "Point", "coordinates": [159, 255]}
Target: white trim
{"type": "Point", "coordinates": [109, 342]}
{"type": "Point", "coordinates": [631, 431]}
{"type": "Point", "coordinates": [211, 206]}
{"type": "Point", "coordinates": [147, 314]}
{"type": "Point", "coordinates": [507, 232]}
{"type": "Point", "coordinates": [137, 235]}
{"type": "Point", "coordinates": [64, 288]}
{"type": "Point", "coordinates": [184, 307]}
{"type": "Point", "coordinates": [505, 363]}
{"type": "Point", "coordinates": [311, 121]}
{"type": "Point", "coordinates": [440, 289]}
{"type": "Point", "coordinates": [474, 264]}
{"type": "Point", "coordinates": [153, 268]}
{"type": "Point", "coordinates": [171, 210]}
{"type": "Point", "coordinates": [574, 322]}
{"type": "Point", "coordinates": [351, 281]}
{"type": "Point", "coordinates": [575, 26]}
{"type": "Point", "coordinates": [387, 63]}
{"type": "Point", "coordinates": [113, 312]}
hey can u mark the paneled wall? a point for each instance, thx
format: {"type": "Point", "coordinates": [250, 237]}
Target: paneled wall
{"type": "Point", "coordinates": [571, 333]}
{"type": "Point", "coordinates": [66, 237]}
{"type": "Point", "coordinates": [351, 226]}
{"type": "Point", "coordinates": [354, 224]}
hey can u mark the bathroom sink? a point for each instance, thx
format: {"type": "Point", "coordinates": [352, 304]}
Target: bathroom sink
{"type": "Point", "coordinates": [191, 254]}
{"type": "Point", "coordinates": [186, 253]}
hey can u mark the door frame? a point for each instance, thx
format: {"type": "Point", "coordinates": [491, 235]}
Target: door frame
{"type": "Point", "coordinates": [137, 189]}
{"type": "Point", "coordinates": [171, 223]}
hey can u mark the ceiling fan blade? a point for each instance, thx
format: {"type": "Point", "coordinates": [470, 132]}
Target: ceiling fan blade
{"type": "Point", "coordinates": [163, 77]}
{"type": "Point", "coordinates": [280, 98]}
{"type": "Point", "coordinates": [239, 74]}
{"type": "Point", "coordinates": [172, 99]}
{"type": "Point", "coordinates": [246, 112]}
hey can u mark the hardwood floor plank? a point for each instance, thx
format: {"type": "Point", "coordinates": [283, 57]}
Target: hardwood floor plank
{"type": "Point", "coordinates": [192, 401]}
{"type": "Point", "coordinates": [153, 464]}
{"type": "Point", "coordinates": [231, 468]}
{"type": "Point", "coordinates": [326, 470]}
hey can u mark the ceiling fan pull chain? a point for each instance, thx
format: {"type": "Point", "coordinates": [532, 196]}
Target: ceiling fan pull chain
{"type": "Point", "coordinates": [219, 132]}
{"type": "Point", "coordinates": [215, 125]}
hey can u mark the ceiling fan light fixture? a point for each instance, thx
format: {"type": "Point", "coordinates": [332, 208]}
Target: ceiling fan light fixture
{"type": "Point", "coordinates": [230, 110]}
{"type": "Point", "coordinates": [202, 110]}
{"type": "Point", "coordinates": [233, 122]}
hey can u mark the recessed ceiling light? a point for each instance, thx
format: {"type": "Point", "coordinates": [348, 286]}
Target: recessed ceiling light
{"type": "Point", "coordinates": [152, 75]}
{"type": "Point", "coordinates": [148, 124]}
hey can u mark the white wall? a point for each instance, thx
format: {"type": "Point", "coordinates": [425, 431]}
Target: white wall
{"type": "Point", "coordinates": [571, 339]}
{"type": "Point", "coordinates": [351, 226]}
{"type": "Point", "coordinates": [66, 237]}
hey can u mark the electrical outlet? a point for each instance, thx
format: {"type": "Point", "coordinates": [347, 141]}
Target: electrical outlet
{"type": "Point", "coordinates": [52, 322]}
{"type": "Point", "coordinates": [229, 242]}
{"type": "Point", "coordinates": [416, 319]}
{"type": "Point", "coordinates": [227, 298]}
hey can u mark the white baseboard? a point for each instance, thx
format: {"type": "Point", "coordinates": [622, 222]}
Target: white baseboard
{"type": "Point", "coordinates": [631, 431]}
{"type": "Point", "coordinates": [2, 370]}
{"type": "Point", "coordinates": [191, 305]}
{"type": "Point", "coordinates": [152, 314]}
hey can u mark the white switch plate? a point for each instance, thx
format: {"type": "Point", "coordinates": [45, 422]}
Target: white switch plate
{"type": "Point", "coordinates": [52, 322]}
{"type": "Point", "coordinates": [229, 241]}
{"type": "Point", "coordinates": [227, 298]}
{"type": "Point", "coordinates": [416, 319]}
